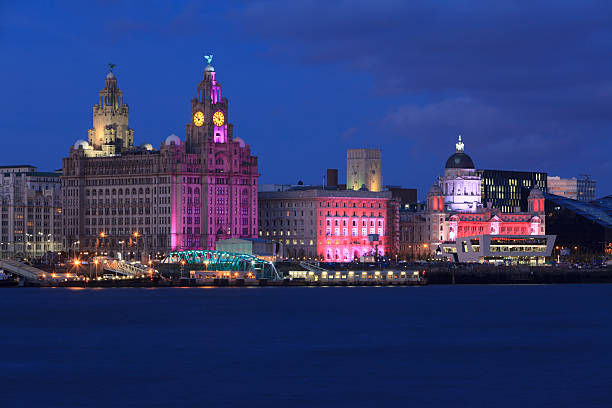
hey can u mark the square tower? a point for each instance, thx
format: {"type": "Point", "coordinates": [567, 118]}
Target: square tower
{"type": "Point", "coordinates": [363, 168]}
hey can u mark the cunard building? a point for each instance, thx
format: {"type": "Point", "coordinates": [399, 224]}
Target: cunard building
{"type": "Point", "coordinates": [137, 200]}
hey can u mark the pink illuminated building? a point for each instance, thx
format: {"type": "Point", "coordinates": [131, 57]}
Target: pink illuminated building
{"type": "Point", "coordinates": [119, 198]}
{"type": "Point", "coordinates": [330, 225]}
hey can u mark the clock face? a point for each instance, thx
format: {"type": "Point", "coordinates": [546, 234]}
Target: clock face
{"type": "Point", "coordinates": [198, 118]}
{"type": "Point", "coordinates": [218, 118]}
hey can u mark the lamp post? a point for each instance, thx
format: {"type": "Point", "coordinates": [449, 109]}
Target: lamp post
{"type": "Point", "coordinates": [136, 235]}
{"type": "Point", "coordinates": [96, 267]}
{"type": "Point", "coordinates": [182, 268]}
{"type": "Point", "coordinates": [122, 242]}
{"type": "Point", "coordinates": [102, 236]}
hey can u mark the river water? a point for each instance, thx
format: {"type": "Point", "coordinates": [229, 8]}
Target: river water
{"type": "Point", "coordinates": [435, 346]}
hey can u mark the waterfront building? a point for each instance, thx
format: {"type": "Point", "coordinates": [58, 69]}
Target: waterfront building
{"type": "Point", "coordinates": [460, 184]}
{"type": "Point", "coordinates": [581, 188]}
{"type": "Point", "coordinates": [454, 209]}
{"type": "Point", "coordinates": [508, 190]}
{"type": "Point", "coordinates": [413, 235]}
{"type": "Point", "coordinates": [262, 248]}
{"type": "Point", "coordinates": [581, 228]}
{"type": "Point", "coordinates": [363, 169]}
{"type": "Point", "coordinates": [499, 249]}
{"type": "Point", "coordinates": [330, 225]}
{"type": "Point", "coordinates": [120, 198]}
{"type": "Point", "coordinates": [31, 210]}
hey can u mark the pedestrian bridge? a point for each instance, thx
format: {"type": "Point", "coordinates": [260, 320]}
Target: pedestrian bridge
{"type": "Point", "coordinates": [20, 269]}
{"type": "Point", "coordinates": [121, 267]}
{"type": "Point", "coordinates": [224, 261]}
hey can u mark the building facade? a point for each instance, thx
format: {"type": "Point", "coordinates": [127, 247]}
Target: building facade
{"type": "Point", "coordinates": [136, 200]}
{"type": "Point", "coordinates": [581, 188]}
{"type": "Point", "coordinates": [413, 236]}
{"type": "Point", "coordinates": [500, 249]}
{"type": "Point", "coordinates": [508, 190]}
{"type": "Point", "coordinates": [363, 169]}
{"type": "Point", "coordinates": [454, 210]}
{"type": "Point", "coordinates": [330, 225]}
{"type": "Point", "coordinates": [460, 183]}
{"type": "Point", "coordinates": [31, 212]}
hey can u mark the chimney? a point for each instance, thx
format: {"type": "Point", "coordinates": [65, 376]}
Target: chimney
{"type": "Point", "coordinates": [332, 177]}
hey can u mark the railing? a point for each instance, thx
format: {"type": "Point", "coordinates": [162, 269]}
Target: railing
{"type": "Point", "coordinates": [21, 269]}
{"type": "Point", "coordinates": [224, 261]}
{"type": "Point", "coordinates": [121, 267]}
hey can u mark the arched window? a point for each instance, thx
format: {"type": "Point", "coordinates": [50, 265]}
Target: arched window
{"type": "Point", "coordinates": [196, 190]}
{"type": "Point", "coordinates": [120, 191]}
{"type": "Point", "coordinates": [140, 190]}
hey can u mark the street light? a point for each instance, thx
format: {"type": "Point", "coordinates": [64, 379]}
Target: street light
{"type": "Point", "coordinates": [136, 235]}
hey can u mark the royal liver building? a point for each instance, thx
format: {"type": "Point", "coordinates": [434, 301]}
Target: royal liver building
{"type": "Point", "coordinates": [139, 201]}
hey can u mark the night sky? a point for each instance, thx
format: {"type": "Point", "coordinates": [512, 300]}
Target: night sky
{"type": "Point", "coordinates": [527, 83]}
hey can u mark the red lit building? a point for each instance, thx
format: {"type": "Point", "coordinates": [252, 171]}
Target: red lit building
{"type": "Point", "coordinates": [330, 225]}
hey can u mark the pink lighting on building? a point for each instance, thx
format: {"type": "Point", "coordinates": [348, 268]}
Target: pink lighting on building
{"type": "Point", "coordinates": [349, 228]}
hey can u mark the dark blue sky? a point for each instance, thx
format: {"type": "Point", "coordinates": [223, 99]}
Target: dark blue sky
{"type": "Point", "coordinates": [527, 83]}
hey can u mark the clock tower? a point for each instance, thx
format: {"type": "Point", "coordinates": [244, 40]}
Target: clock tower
{"type": "Point", "coordinates": [209, 113]}
{"type": "Point", "coordinates": [218, 165]}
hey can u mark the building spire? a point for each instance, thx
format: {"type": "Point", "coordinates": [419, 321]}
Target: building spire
{"type": "Point", "coordinates": [459, 145]}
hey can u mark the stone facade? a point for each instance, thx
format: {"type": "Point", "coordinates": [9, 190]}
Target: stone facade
{"type": "Point", "coordinates": [136, 200]}
{"type": "Point", "coordinates": [363, 168]}
{"type": "Point", "coordinates": [413, 236]}
{"type": "Point", "coordinates": [330, 225]}
{"type": "Point", "coordinates": [30, 207]}
{"type": "Point", "coordinates": [454, 210]}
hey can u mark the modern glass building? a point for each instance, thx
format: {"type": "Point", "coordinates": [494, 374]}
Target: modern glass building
{"type": "Point", "coordinates": [581, 227]}
{"type": "Point", "coordinates": [508, 190]}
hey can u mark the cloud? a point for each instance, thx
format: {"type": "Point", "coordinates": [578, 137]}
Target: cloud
{"type": "Point", "coordinates": [528, 83]}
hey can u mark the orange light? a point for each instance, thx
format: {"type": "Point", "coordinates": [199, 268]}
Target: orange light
{"type": "Point", "coordinates": [76, 262]}
{"type": "Point", "coordinates": [136, 234]}
{"type": "Point", "coordinates": [96, 261]}
{"type": "Point", "coordinates": [53, 275]}
{"type": "Point", "coordinates": [102, 234]}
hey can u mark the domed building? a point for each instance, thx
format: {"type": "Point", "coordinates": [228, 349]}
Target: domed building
{"type": "Point", "coordinates": [461, 185]}
{"type": "Point", "coordinates": [455, 224]}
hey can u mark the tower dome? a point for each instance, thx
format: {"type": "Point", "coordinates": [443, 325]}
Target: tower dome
{"type": "Point", "coordinates": [435, 190]}
{"type": "Point", "coordinates": [239, 140]}
{"type": "Point", "coordinates": [81, 143]}
{"type": "Point", "coordinates": [536, 193]}
{"type": "Point", "coordinates": [459, 160]}
{"type": "Point", "coordinates": [209, 68]}
{"type": "Point", "coordinates": [173, 139]}
{"type": "Point", "coordinates": [110, 75]}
